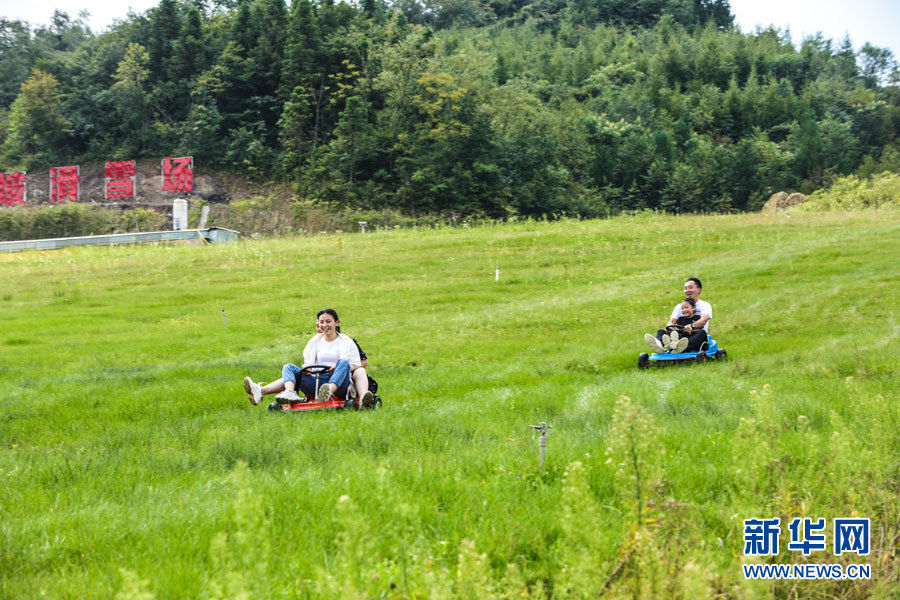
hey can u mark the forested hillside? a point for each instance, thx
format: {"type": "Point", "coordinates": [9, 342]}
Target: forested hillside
{"type": "Point", "coordinates": [458, 107]}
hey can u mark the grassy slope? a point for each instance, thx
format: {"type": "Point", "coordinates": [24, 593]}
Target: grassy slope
{"type": "Point", "coordinates": [122, 419]}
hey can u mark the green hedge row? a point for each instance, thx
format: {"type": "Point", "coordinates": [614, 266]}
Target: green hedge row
{"type": "Point", "coordinates": [68, 220]}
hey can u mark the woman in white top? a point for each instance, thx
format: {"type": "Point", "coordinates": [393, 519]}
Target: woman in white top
{"type": "Point", "coordinates": [328, 347]}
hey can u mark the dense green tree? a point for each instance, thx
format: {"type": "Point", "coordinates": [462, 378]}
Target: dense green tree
{"type": "Point", "coordinates": [130, 91]}
{"type": "Point", "coordinates": [235, 71]}
{"type": "Point", "coordinates": [63, 34]}
{"type": "Point", "coordinates": [190, 49]}
{"type": "Point", "coordinates": [403, 57]}
{"type": "Point", "coordinates": [806, 140]}
{"type": "Point", "coordinates": [16, 57]}
{"type": "Point", "coordinates": [353, 136]}
{"type": "Point", "coordinates": [165, 27]}
{"type": "Point", "coordinates": [201, 132]}
{"type": "Point", "coordinates": [36, 123]}
{"type": "Point", "coordinates": [295, 132]}
{"type": "Point", "coordinates": [303, 63]}
{"type": "Point", "coordinates": [267, 51]}
{"type": "Point", "coordinates": [876, 63]}
{"type": "Point", "coordinates": [447, 159]}
{"type": "Point", "coordinates": [243, 32]}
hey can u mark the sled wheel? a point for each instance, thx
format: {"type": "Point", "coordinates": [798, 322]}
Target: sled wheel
{"type": "Point", "coordinates": [643, 360]}
{"type": "Point", "coordinates": [275, 407]}
{"type": "Point", "coordinates": [721, 354]}
{"type": "Point", "coordinates": [701, 357]}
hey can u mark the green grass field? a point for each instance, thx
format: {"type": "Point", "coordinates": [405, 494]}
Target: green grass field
{"type": "Point", "coordinates": [132, 465]}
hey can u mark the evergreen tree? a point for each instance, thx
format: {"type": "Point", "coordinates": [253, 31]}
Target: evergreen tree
{"type": "Point", "coordinates": [243, 33]}
{"type": "Point", "coordinates": [303, 58]}
{"type": "Point", "coordinates": [295, 132]}
{"type": "Point", "coordinates": [270, 17]}
{"type": "Point", "coordinates": [189, 50]}
{"type": "Point", "coordinates": [165, 27]}
{"type": "Point", "coordinates": [16, 57]}
{"type": "Point", "coordinates": [352, 135]}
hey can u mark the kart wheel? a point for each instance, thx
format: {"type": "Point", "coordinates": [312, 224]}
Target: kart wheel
{"type": "Point", "coordinates": [721, 354]}
{"type": "Point", "coordinates": [643, 360]}
{"type": "Point", "coordinates": [275, 407]}
{"type": "Point", "coordinates": [701, 357]}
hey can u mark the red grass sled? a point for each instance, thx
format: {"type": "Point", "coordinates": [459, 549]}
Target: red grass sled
{"type": "Point", "coordinates": [310, 404]}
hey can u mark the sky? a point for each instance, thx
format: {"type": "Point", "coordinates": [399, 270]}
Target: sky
{"type": "Point", "coordinates": [874, 21]}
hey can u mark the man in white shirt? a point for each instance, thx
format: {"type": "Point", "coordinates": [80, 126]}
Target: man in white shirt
{"type": "Point", "coordinates": [698, 331]}
{"type": "Point", "coordinates": [692, 289]}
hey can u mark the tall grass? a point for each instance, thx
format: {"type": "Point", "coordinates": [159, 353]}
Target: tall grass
{"type": "Point", "coordinates": [134, 467]}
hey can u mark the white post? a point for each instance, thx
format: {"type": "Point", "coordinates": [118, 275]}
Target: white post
{"type": "Point", "coordinates": [179, 214]}
{"type": "Point", "coordinates": [204, 216]}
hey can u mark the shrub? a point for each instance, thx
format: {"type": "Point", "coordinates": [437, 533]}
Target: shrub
{"type": "Point", "coordinates": [142, 219]}
{"type": "Point", "coordinates": [852, 193]}
{"type": "Point", "coordinates": [71, 220]}
{"type": "Point", "coordinates": [12, 224]}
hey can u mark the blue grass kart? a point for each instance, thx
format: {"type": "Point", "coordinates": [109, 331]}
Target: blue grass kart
{"type": "Point", "coordinates": [709, 349]}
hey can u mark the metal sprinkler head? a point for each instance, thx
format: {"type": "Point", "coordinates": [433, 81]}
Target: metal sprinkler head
{"type": "Point", "coordinates": [544, 428]}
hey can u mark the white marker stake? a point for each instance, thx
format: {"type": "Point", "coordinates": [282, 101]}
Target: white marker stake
{"type": "Point", "coordinates": [497, 274]}
{"type": "Point", "coordinates": [224, 322]}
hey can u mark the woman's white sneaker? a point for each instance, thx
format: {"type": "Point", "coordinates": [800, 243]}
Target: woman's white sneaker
{"type": "Point", "coordinates": [324, 393]}
{"type": "Point", "coordinates": [288, 396]}
{"type": "Point", "coordinates": [254, 391]}
{"type": "Point", "coordinates": [367, 400]}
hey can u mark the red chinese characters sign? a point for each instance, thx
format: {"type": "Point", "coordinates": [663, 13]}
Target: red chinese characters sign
{"type": "Point", "coordinates": [64, 184]}
{"type": "Point", "coordinates": [178, 174]}
{"type": "Point", "coordinates": [120, 179]}
{"type": "Point", "coordinates": [12, 188]}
